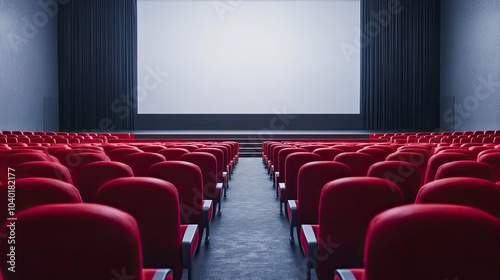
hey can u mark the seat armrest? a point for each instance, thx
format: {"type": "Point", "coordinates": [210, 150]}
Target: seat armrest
{"type": "Point", "coordinates": [219, 186]}
{"type": "Point", "coordinates": [312, 244]}
{"type": "Point", "coordinates": [294, 209]}
{"type": "Point", "coordinates": [345, 274]}
{"type": "Point", "coordinates": [187, 242]}
{"type": "Point", "coordinates": [207, 204]}
{"type": "Point", "coordinates": [156, 274]}
{"type": "Point", "coordinates": [282, 187]}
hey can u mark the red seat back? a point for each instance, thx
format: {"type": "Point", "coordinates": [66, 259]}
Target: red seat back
{"type": "Point", "coordinates": [417, 242]}
{"type": "Point", "coordinates": [437, 160]}
{"type": "Point", "coordinates": [140, 162]}
{"type": "Point", "coordinates": [359, 163]}
{"type": "Point", "coordinates": [346, 208]}
{"type": "Point", "coordinates": [493, 160]}
{"type": "Point", "coordinates": [466, 168]}
{"type": "Point", "coordinates": [44, 169]}
{"type": "Point", "coordinates": [405, 175]}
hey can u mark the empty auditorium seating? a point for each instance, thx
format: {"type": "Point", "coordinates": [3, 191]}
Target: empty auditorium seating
{"type": "Point", "coordinates": [280, 170]}
{"type": "Point", "coordinates": [405, 175]}
{"type": "Point", "coordinates": [212, 189]}
{"type": "Point", "coordinates": [86, 241]}
{"type": "Point", "coordinates": [154, 204]}
{"type": "Point", "coordinates": [376, 153]}
{"type": "Point", "coordinates": [439, 159]}
{"type": "Point", "coordinates": [359, 163]}
{"type": "Point", "coordinates": [328, 154]}
{"type": "Point", "coordinates": [432, 242]}
{"type": "Point", "coordinates": [93, 175]}
{"type": "Point", "coordinates": [30, 192]}
{"type": "Point", "coordinates": [120, 153]}
{"type": "Point", "coordinates": [493, 160]}
{"type": "Point", "coordinates": [473, 192]}
{"type": "Point", "coordinates": [44, 169]}
{"type": "Point", "coordinates": [293, 162]}
{"type": "Point", "coordinates": [173, 153]}
{"type": "Point", "coordinates": [311, 179]}
{"type": "Point", "coordinates": [140, 162]}
{"type": "Point", "coordinates": [188, 180]}
{"type": "Point", "coordinates": [346, 208]}
{"type": "Point", "coordinates": [466, 168]}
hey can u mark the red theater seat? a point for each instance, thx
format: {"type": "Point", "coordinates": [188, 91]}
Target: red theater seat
{"type": "Point", "coordinates": [473, 192]}
{"type": "Point", "coordinates": [106, 239]}
{"type": "Point", "coordinates": [44, 169]}
{"type": "Point", "coordinates": [188, 180]}
{"type": "Point", "coordinates": [493, 160]}
{"type": "Point", "coordinates": [30, 192]}
{"type": "Point", "coordinates": [154, 204]}
{"type": "Point", "coordinates": [359, 163]}
{"type": "Point", "coordinates": [405, 175]}
{"type": "Point", "coordinates": [293, 163]}
{"type": "Point", "coordinates": [466, 168]}
{"type": "Point", "coordinates": [121, 153]}
{"type": "Point", "coordinates": [328, 154]}
{"type": "Point", "coordinates": [437, 160]}
{"type": "Point", "coordinates": [93, 175]}
{"type": "Point", "coordinates": [377, 154]}
{"type": "Point", "coordinates": [431, 242]}
{"type": "Point", "coordinates": [346, 208]}
{"type": "Point", "coordinates": [280, 170]}
{"type": "Point", "coordinates": [311, 179]}
{"type": "Point", "coordinates": [173, 153]}
{"type": "Point", "coordinates": [152, 148]}
{"type": "Point", "coordinates": [212, 190]}
{"type": "Point", "coordinates": [140, 162]}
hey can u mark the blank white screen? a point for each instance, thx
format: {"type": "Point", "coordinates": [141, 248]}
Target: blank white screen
{"type": "Point", "coordinates": [248, 57]}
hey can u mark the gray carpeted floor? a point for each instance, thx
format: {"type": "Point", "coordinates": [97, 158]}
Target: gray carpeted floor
{"type": "Point", "coordinates": [250, 238]}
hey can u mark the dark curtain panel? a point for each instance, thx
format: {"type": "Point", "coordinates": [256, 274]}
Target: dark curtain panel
{"type": "Point", "coordinates": [400, 45]}
{"type": "Point", "coordinates": [97, 64]}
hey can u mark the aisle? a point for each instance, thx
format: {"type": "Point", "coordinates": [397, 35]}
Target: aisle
{"type": "Point", "coordinates": [250, 238]}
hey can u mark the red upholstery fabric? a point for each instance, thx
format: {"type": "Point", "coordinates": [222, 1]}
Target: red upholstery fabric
{"type": "Point", "coordinates": [121, 153]}
{"type": "Point", "coordinates": [348, 148]}
{"type": "Point", "coordinates": [188, 180]}
{"type": "Point", "coordinates": [376, 153]}
{"type": "Point", "coordinates": [310, 148]}
{"type": "Point", "coordinates": [282, 156]}
{"type": "Point", "coordinates": [432, 242]}
{"type": "Point", "coordinates": [405, 175]}
{"type": "Point", "coordinates": [208, 165]}
{"type": "Point", "coordinates": [152, 148]}
{"type": "Point", "coordinates": [75, 161]}
{"type": "Point", "coordinates": [311, 179]}
{"type": "Point", "coordinates": [464, 151]}
{"type": "Point", "coordinates": [417, 159]}
{"type": "Point", "coordinates": [437, 160]}
{"type": "Point", "coordinates": [107, 244]}
{"type": "Point", "coordinates": [14, 159]}
{"type": "Point", "coordinates": [346, 208]}
{"type": "Point", "coordinates": [225, 151]}
{"type": "Point", "coordinates": [359, 163]}
{"type": "Point", "coordinates": [473, 192]}
{"type": "Point", "coordinates": [466, 168]}
{"type": "Point", "coordinates": [44, 169]}
{"type": "Point", "coordinates": [293, 163]}
{"type": "Point", "coordinates": [493, 160]}
{"type": "Point", "coordinates": [93, 175]}
{"type": "Point", "coordinates": [173, 153]}
{"type": "Point", "coordinates": [328, 154]}
{"type": "Point", "coordinates": [154, 204]}
{"type": "Point", "coordinates": [32, 192]}
{"type": "Point", "coordinates": [190, 148]}
{"type": "Point", "coordinates": [219, 155]}
{"type": "Point", "coordinates": [140, 162]}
